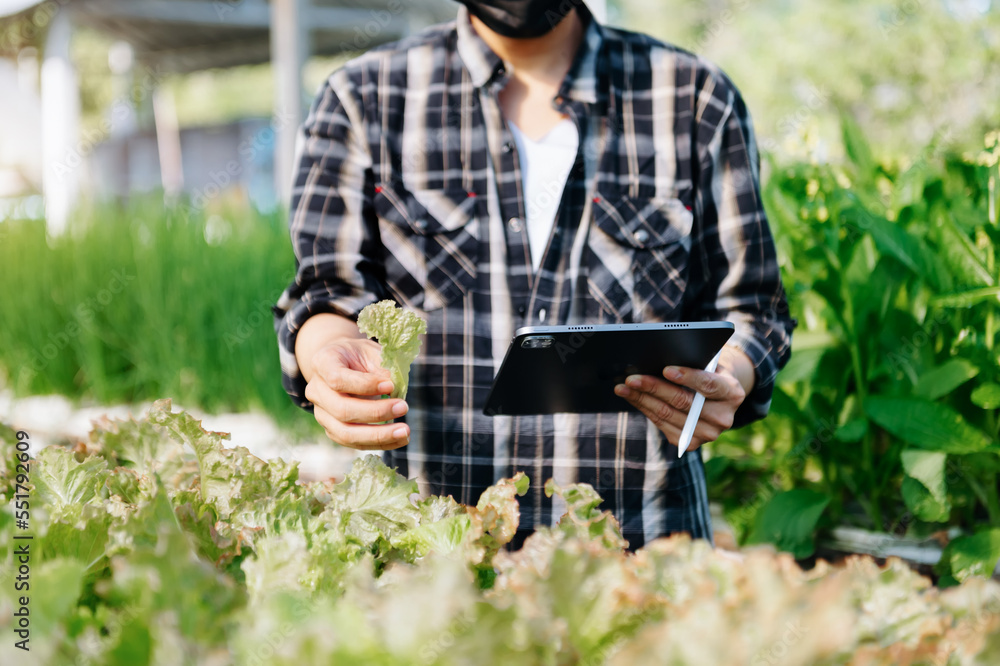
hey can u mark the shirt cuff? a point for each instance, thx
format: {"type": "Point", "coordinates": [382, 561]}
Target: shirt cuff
{"type": "Point", "coordinates": [766, 365]}
{"type": "Point", "coordinates": [290, 314]}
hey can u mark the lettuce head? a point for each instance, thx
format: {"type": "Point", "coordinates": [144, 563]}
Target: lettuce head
{"type": "Point", "coordinates": [398, 331]}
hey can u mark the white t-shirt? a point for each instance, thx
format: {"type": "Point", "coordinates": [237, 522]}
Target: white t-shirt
{"type": "Point", "coordinates": [545, 167]}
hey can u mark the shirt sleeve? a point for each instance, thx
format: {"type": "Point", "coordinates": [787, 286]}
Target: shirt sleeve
{"type": "Point", "coordinates": [736, 252]}
{"type": "Point", "coordinates": [333, 228]}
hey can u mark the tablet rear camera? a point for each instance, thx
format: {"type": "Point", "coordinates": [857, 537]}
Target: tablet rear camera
{"type": "Point", "coordinates": [538, 342]}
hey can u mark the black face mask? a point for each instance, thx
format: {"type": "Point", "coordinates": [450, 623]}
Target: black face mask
{"type": "Point", "coordinates": [521, 18]}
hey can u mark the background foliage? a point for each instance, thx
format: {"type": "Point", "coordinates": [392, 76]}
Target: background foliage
{"type": "Point", "coordinates": [139, 301]}
{"type": "Point", "coordinates": [886, 417]}
{"type": "Point", "coordinates": [909, 71]}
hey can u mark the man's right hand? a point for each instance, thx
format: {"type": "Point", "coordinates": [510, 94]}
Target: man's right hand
{"type": "Point", "coordinates": [346, 386]}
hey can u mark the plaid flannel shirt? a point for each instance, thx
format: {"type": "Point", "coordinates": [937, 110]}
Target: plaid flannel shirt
{"type": "Point", "coordinates": [408, 187]}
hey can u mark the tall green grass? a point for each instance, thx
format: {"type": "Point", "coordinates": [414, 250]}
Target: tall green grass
{"type": "Point", "coordinates": [142, 301]}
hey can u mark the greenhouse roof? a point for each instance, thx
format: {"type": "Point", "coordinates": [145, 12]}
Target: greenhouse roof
{"type": "Point", "coordinates": [189, 35]}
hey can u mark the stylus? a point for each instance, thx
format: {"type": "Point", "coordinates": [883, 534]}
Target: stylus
{"type": "Point", "coordinates": [692, 420]}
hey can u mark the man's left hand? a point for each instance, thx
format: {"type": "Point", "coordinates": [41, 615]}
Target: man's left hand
{"type": "Point", "coordinates": [666, 401]}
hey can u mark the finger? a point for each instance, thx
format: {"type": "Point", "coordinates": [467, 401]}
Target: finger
{"type": "Point", "coordinates": [672, 425]}
{"type": "Point", "coordinates": [356, 382]}
{"type": "Point", "coordinates": [710, 384]}
{"type": "Point", "coordinates": [719, 415]}
{"type": "Point", "coordinates": [669, 430]}
{"type": "Point", "coordinates": [677, 396]}
{"type": "Point", "coordinates": [349, 409]}
{"type": "Point", "coordinates": [657, 410]}
{"type": "Point", "coordinates": [696, 442]}
{"type": "Point", "coordinates": [363, 437]}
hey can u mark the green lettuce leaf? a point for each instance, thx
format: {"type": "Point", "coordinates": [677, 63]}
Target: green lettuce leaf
{"type": "Point", "coordinates": [228, 478]}
{"type": "Point", "coordinates": [372, 502]}
{"type": "Point", "coordinates": [60, 480]}
{"type": "Point", "coordinates": [583, 519]}
{"type": "Point", "coordinates": [497, 514]}
{"type": "Point", "coordinates": [398, 332]}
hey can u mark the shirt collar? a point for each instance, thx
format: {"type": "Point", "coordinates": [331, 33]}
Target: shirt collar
{"type": "Point", "coordinates": [581, 80]}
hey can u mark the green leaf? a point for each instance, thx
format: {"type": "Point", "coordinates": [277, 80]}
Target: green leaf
{"type": "Point", "coordinates": [789, 519]}
{"type": "Point", "coordinates": [967, 299]}
{"type": "Point", "coordinates": [928, 468]}
{"type": "Point", "coordinates": [987, 396]}
{"type": "Point", "coordinates": [497, 514]}
{"type": "Point", "coordinates": [974, 555]}
{"type": "Point", "coordinates": [60, 480]}
{"type": "Point", "coordinates": [139, 445]}
{"type": "Point", "coordinates": [801, 366]}
{"type": "Point", "coordinates": [924, 490]}
{"type": "Point", "coordinates": [228, 478]}
{"type": "Point", "coordinates": [856, 145]}
{"type": "Point", "coordinates": [76, 531]}
{"type": "Point", "coordinates": [398, 332]}
{"type": "Point", "coordinates": [945, 378]}
{"type": "Point", "coordinates": [281, 562]}
{"type": "Point", "coordinates": [852, 431]}
{"type": "Point", "coordinates": [373, 501]}
{"type": "Point", "coordinates": [893, 239]}
{"type": "Point", "coordinates": [927, 425]}
{"type": "Point", "coordinates": [55, 589]}
{"type": "Point", "coordinates": [961, 255]}
{"type": "Point", "coordinates": [922, 503]}
{"type": "Point", "coordinates": [582, 518]}
{"type": "Point", "coordinates": [442, 537]}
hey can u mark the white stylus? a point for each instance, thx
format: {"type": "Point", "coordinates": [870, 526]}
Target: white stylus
{"type": "Point", "coordinates": [692, 420]}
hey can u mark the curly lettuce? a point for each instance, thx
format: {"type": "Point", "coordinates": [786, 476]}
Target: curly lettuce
{"type": "Point", "coordinates": [398, 331]}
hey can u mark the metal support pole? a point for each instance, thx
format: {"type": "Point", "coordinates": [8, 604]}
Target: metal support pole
{"type": "Point", "coordinates": [61, 150]}
{"type": "Point", "coordinates": [289, 49]}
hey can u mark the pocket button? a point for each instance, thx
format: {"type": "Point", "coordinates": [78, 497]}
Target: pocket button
{"type": "Point", "coordinates": [421, 224]}
{"type": "Point", "coordinates": [641, 236]}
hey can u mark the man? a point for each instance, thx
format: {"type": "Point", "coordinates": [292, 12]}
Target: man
{"type": "Point", "coordinates": [641, 203]}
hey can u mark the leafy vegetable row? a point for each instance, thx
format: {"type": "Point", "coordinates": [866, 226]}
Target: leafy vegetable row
{"type": "Point", "coordinates": [156, 544]}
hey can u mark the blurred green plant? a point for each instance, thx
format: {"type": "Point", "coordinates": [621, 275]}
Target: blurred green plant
{"type": "Point", "coordinates": [888, 407]}
{"type": "Point", "coordinates": [906, 71]}
{"type": "Point", "coordinates": [142, 301]}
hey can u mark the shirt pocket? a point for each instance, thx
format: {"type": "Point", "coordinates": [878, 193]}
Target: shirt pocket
{"type": "Point", "coordinates": [431, 238]}
{"type": "Point", "coordinates": [639, 253]}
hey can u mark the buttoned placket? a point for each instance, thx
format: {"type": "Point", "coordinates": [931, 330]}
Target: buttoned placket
{"type": "Point", "coordinates": [511, 206]}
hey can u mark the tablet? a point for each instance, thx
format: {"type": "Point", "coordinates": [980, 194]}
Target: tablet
{"type": "Point", "coordinates": [574, 369]}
